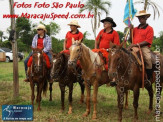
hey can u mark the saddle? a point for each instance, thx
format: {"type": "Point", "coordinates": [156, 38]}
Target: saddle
{"type": "Point", "coordinates": [136, 54]}
{"type": "Point", "coordinates": [103, 55]}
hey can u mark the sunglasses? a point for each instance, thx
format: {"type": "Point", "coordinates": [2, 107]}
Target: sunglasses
{"type": "Point", "coordinates": [39, 29]}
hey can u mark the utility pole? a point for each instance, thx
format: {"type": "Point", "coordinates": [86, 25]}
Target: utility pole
{"type": "Point", "coordinates": [14, 50]}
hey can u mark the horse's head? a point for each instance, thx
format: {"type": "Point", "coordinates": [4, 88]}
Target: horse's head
{"type": "Point", "coordinates": [75, 53]}
{"type": "Point", "coordinates": [37, 59]}
{"type": "Point", "coordinates": [114, 59]}
{"type": "Point", "coordinates": [58, 66]}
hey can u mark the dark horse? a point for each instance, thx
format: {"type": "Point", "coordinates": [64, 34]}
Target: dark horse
{"type": "Point", "coordinates": [38, 75]}
{"type": "Point", "coordinates": [125, 69]}
{"type": "Point", "coordinates": [61, 73]}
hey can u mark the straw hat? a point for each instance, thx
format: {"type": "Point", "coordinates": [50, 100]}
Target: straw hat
{"type": "Point", "coordinates": [143, 13]}
{"type": "Point", "coordinates": [74, 22]}
{"type": "Point", "coordinates": [41, 26]}
{"type": "Point", "coordinates": [109, 19]}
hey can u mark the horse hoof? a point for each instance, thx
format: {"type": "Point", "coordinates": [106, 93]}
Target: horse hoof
{"type": "Point", "coordinates": [126, 107]}
{"type": "Point", "coordinates": [81, 102]}
{"type": "Point", "coordinates": [94, 117]}
{"type": "Point", "coordinates": [135, 118]}
{"type": "Point", "coordinates": [61, 110]}
{"type": "Point", "coordinates": [85, 114]}
{"type": "Point", "coordinates": [69, 112]}
{"type": "Point", "coordinates": [149, 111]}
{"type": "Point", "coordinates": [38, 109]}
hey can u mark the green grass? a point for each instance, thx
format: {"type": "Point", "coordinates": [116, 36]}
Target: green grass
{"type": "Point", "coordinates": [106, 107]}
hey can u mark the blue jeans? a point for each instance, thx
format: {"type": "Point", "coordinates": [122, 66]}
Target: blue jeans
{"type": "Point", "coordinates": [26, 60]}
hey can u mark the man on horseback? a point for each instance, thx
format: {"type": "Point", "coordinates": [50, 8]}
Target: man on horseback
{"type": "Point", "coordinates": [143, 36]}
{"type": "Point", "coordinates": [104, 37]}
{"type": "Point", "coordinates": [74, 33]}
{"type": "Point", "coordinates": [107, 34]}
{"type": "Point", "coordinates": [40, 40]}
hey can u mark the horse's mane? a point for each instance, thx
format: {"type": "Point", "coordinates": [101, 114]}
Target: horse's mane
{"type": "Point", "coordinates": [93, 56]}
{"type": "Point", "coordinates": [65, 58]}
{"type": "Point", "coordinates": [129, 54]}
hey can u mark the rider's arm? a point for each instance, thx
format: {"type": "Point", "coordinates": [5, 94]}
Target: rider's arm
{"type": "Point", "coordinates": [64, 44]}
{"type": "Point", "coordinates": [34, 41]}
{"type": "Point", "coordinates": [48, 45]}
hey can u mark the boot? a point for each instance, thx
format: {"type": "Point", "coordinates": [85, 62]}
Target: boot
{"type": "Point", "coordinates": [149, 76]}
{"type": "Point", "coordinates": [113, 83]}
{"type": "Point", "coordinates": [27, 77]}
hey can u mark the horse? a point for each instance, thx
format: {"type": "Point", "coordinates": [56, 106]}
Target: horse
{"type": "Point", "coordinates": [124, 68]}
{"type": "Point", "coordinates": [61, 73]}
{"type": "Point", "coordinates": [93, 72]}
{"type": "Point", "coordinates": [38, 73]}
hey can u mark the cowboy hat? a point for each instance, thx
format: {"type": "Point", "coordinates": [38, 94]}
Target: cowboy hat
{"type": "Point", "coordinates": [41, 26]}
{"type": "Point", "coordinates": [74, 22]}
{"type": "Point", "coordinates": [143, 13]}
{"type": "Point", "coordinates": [109, 19]}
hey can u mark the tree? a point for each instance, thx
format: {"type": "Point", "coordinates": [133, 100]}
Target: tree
{"type": "Point", "coordinates": [158, 42]}
{"type": "Point", "coordinates": [85, 34]}
{"type": "Point", "coordinates": [52, 28]}
{"type": "Point", "coordinates": [121, 36]}
{"type": "Point", "coordinates": [96, 7]}
{"type": "Point", "coordinates": [23, 30]}
{"type": "Point", "coordinates": [151, 3]}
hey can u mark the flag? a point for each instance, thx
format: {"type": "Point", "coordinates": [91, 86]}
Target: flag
{"type": "Point", "coordinates": [129, 12]}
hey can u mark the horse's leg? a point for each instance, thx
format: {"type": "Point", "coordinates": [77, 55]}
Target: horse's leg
{"type": "Point", "coordinates": [82, 92]}
{"type": "Point", "coordinates": [39, 96]}
{"type": "Point", "coordinates": [135, 102]}
{"type": "Point", "coordinates": [126, 100]}
{"type": "Point", "coordinates": [150, 92]}
{"type": "Point", "coordinates": [32, 93]}
{"type": "Point", "coordinates": [95, 91]}
{"type": "Point", "coordinates": [120, 94]}
{"type": "Point", "coordinates": [70, 98]}
{"type": "Point", "coordinates": [62, 88]}
{"type": "Point", "coordinates": [50, 89]}
{"type": "Point", "coordinates": [88, 89]}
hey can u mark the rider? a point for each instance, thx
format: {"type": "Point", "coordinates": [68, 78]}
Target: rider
{"type": "Point", "coordinates": [74, 33]}
{"type": "Point", "coordinates": [143, 36]}
{"type": "Point", "coordinates": [107, 34]}
{"type": "Point", "coordinates": [40, 40]}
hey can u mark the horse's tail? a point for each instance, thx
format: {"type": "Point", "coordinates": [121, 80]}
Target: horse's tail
{"type": "Point", "coordinates": [45, 87]}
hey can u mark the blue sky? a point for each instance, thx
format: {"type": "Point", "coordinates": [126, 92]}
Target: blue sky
{"type": "Point", "coordinates": [116, 12]}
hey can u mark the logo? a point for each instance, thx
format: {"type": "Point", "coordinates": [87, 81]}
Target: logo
{"type": "Point", "coordinates": [17, 112]}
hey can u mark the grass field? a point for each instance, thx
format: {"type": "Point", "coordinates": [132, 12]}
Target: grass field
{"type": "Point", "coordinates": [107, 101]}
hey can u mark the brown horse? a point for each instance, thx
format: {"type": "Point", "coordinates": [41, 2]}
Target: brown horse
{"type": "Point", "coordinates": [124, 68]}
{"type": "Point", "coordinates": [93, 71]}
{"type": "Point", "coordinates": [38, 75]}
{"type": "Point", "coordinates": [61, 73]}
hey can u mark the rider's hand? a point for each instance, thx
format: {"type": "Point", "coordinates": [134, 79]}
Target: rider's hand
{"type": "Point", "coordinates": [131, 46]}
{"type": "Point", "coordinates": [131, 27]}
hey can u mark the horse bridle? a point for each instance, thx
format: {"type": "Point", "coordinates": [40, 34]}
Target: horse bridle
{"type": "Point", "coordinates": [80, 53]}
{"type": "Point", "coordinates": [57, 71]}
{"type": "Point", "coordinates": [35, 67]}
{"type": "Point", "coordinates": [125, 82]}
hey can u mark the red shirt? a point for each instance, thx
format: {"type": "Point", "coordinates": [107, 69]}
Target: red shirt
{"type": "Point", "coordinates": [40, 43]}
{"type": "Point", "coordinates": [77, 36]}
{"type": "Point", "coordinates": [107, 37]}
{"type": "Point", "coordinates": [143, 34]}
